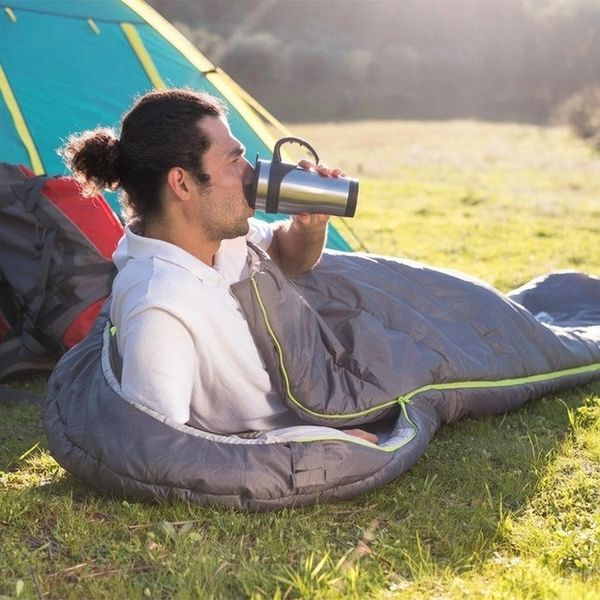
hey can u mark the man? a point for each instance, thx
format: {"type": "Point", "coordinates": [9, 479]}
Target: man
{"type": "Point", "coordinates": [187, 350]}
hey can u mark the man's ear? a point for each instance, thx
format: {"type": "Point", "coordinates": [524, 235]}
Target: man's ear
{"type": "Point", "coordinates": [178, 180]}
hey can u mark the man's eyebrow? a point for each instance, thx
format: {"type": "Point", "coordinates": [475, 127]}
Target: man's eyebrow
{"type": "Point", "coordinates": [237, 151]}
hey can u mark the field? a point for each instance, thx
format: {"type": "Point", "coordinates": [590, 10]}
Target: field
{"type": "Point", "coordinates": [507, 507]}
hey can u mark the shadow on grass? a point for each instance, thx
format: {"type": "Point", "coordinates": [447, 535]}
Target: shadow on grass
{"type": "Point", "coordinates": [20, 431]}
{"type": "Point", "coordinates": [20, 417]}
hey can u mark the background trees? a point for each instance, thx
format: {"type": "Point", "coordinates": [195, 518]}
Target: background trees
{"type": "Point", "coordinates": [351, 59]}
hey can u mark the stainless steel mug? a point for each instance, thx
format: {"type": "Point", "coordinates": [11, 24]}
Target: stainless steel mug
{"type": "Point", "coordinates": [279, 187]}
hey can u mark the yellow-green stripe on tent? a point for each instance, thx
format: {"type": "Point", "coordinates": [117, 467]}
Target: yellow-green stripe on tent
{"type": "Point", "coordinates": [19, 123]}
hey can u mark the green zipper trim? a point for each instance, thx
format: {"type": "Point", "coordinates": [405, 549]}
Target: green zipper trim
{"type": "Point", "coordinates": [407, 398]}
{"type": "Point", "coordinates": [351, 439]}
{"type": "Point", "coordinates": [287, 380]}
{"type": "Point", "coordinates": [502, 382]}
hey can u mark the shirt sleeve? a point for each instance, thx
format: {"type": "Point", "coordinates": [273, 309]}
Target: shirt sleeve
{"type": "Point", "coordinates": [159, 359]}
{"type": "Point", "coordinates": [260, 234]}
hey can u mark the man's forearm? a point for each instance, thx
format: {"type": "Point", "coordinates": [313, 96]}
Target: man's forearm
{"type": "Point", "coordinates": [298, 243]}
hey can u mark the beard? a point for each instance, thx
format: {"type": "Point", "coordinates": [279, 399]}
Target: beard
{"type": "Point", "coordinates": [235, 230]}
{"type": "Point", "coordinates": [225, 218]}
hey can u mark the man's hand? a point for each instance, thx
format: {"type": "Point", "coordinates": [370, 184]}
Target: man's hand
{"type": "Point", "coordinates": [311, 220]}
{"type": "Point", "coordinates": [298, 243]}
{"type": "Point", "coordinates": [321, 169]}
{"type": "Point", "coordinates": [363, 435]}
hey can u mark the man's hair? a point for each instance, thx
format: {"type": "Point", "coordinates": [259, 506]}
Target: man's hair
{"type": "Point", "coordinates": [158, 133]}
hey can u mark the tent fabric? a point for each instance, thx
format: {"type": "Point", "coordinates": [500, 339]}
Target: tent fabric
{"type": "Point", "coordinates": [399, 348]}
{"type": "Point", "coordinates": [67, 66]}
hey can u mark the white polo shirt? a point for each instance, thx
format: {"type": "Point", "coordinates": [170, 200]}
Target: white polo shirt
{"type": "Point", "coordinates": [186, 346]}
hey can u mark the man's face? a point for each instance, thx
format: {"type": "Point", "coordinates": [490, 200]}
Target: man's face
{"type": "Point", "coordinates": [222, 209]}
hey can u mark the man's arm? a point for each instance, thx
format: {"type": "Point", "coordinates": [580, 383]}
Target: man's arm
{"type": "Point", "coordinates": [159, 359]}
{"type": "Point", "coordinates": [298, 244]}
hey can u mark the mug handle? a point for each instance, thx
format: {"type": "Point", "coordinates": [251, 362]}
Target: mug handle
{"type": "Point", "coordinates": [293, 140]}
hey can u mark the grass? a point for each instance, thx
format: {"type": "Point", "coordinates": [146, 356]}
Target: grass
{"type": "Point", "coordinates": [503, 202]}
{"type": "Point", "coordinates": [506, 507]}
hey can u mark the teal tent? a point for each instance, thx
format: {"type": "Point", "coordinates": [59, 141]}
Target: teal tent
{"type": "Point", "coordinates": [71, 65]}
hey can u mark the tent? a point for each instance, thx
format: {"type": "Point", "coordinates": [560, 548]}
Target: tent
{"type": "Point", "coordinates": [68, 65]}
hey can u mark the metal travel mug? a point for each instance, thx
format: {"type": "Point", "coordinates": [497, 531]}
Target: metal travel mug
{"type": "Point", "coordinates": [279, 187]}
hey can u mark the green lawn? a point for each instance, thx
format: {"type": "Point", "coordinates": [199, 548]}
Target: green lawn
{"type": "Point", "coordinates": [507, 507]}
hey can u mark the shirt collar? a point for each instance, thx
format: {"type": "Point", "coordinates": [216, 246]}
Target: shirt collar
{"type": "Point", "coordinates": [134, 246]}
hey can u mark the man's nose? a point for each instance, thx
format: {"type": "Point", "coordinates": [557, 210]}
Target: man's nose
{"type": "Point", "coordinates": [248, 171]}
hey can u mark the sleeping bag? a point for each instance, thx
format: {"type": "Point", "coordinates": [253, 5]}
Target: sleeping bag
{"type": "Point", "coordinates": [391, 345]}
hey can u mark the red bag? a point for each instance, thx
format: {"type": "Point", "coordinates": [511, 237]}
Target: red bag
{"type": "Point", "coordinates": [55, 266]}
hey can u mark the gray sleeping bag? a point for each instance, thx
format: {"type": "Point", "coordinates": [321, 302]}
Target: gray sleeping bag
{"type": "Point", "coordinates": [391, 345]}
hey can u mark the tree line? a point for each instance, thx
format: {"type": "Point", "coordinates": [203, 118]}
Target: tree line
{"type": "Point", "coordinates": [350, 59]}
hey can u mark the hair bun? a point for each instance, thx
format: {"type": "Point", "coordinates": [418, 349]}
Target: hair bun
{"type": "Point", "coordinates": [93, 157]}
